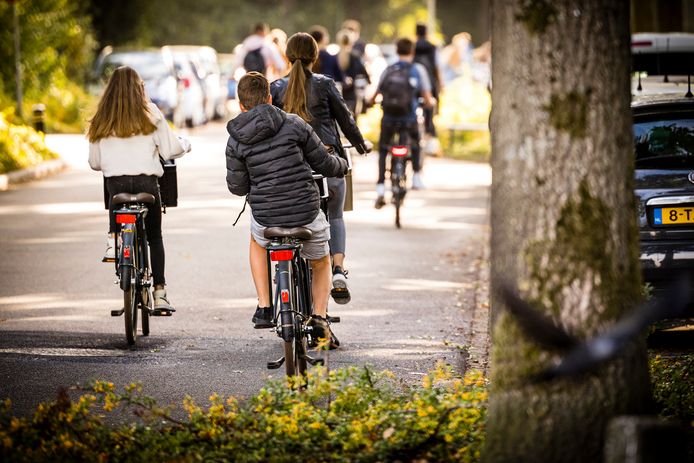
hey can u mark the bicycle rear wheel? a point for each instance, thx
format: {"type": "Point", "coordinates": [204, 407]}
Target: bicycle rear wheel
{"type": "Point", "coordinates": [130, 300]}
{"type": "Point", "coordinates": [398, 184]}
{"type": "Point", "coordinates": [146, 304]}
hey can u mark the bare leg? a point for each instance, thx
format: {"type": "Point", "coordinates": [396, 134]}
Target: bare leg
{"type": "Point", "coordinates": [339, 260]}
{"type": "Point", "coordinates": [258, 258]}
{"type": "Point", "coordinates": [321, 285]}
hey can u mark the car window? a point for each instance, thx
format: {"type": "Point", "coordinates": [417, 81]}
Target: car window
{"type": "Point", "coordinates": [148, 65]}
{"type": "Point", "coordinates": [664, 142]}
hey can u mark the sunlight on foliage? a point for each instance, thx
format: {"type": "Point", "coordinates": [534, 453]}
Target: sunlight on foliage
{"type": "Point", "coordinates": [352, 414]}
{"type": "Point", "coordinates": [21, 146]}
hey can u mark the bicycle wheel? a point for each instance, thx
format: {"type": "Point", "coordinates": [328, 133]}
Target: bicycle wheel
{"type": "Point", "coordinates": [397, 181]}
{"type": "Point", "coordinates": [130, 299]}
{"type": "Point", "coordinates": [146, 304]}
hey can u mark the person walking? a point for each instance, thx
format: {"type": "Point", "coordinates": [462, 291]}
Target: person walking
{"type": "Point", "coordinates": [258, 54]}
{"type": "Point", "coordinates": [315, 98]}
{"type": "Point", "coordinates": [356, 77]}
{"type": "Point", "coordinates": [127, 137]}
{"type": "Point", "coordinates": [326, 63]}
{"type": "Point", "coordinates": [425, 53]}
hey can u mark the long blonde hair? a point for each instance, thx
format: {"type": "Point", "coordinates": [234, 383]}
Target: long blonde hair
{"type": "Point", "coordinates": [123, 109]}
{"type": "Point", "coordinates": [302, 52]}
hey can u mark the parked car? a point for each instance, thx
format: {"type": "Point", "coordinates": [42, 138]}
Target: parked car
{"type": "Point", "coordinates": [155, 67]}
{"type": "Point", "coordinates": [191, 107]}
{"type": "Point", "coordinates": [663, 112]}
{"type": "Point", "coordinates": [207, 66]}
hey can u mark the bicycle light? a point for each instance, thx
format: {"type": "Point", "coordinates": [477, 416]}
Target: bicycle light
{"type": "Point", "coordinates": [286, 254]}
{"type": "Point", "coordinates": [126, 252]}
{"type": "Point", "coordinates": [285, 295]}
{"type": "Point", "coordinates": [399, 151]}
{"type": "Point", "coordinates": [125, 218]}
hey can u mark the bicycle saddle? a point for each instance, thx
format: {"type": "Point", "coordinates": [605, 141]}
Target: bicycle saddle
{"type": "Point", "coordinates": [125, 198]}
{"type": "Point", "coordinates": [300, 233]}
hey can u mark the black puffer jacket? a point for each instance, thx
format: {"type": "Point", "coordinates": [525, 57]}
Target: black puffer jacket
{"type": "Point", "coordinates": [326, 106]}
{"type": "Point", "coordinates": [270, 155]}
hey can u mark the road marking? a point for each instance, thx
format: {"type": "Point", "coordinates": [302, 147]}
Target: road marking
{"type": "Point", "coordinates": [62, 352]}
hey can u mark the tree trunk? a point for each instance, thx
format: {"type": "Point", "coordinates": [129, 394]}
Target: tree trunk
{"type": "Point", "coordinates": [563, 220]}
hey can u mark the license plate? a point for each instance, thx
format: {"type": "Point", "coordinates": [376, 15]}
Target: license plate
{"type": "Point", "coordinates": [673, 215]}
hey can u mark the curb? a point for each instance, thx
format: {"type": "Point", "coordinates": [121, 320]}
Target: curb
{"type": "Point", "coordinates": [32, 173]}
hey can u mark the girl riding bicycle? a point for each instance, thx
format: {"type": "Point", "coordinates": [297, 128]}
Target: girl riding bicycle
{"type": "Point", "coordinates": [127, 137]}
{"type": "Point", "coordinates": [315, 98]}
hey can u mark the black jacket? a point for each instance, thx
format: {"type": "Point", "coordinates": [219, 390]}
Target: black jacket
{"type": "Point", "coordinates": [326, 106]}
{"type": "Point", "coordinates": [269, 156]}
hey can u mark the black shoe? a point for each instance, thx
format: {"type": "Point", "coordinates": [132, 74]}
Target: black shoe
{"type": "Point", "coordinates": [262, 318]}
{"type": "Point", "coordinates": [321, 330]}
{"type": "Point", "coordinates": [380, 202]}
{"type": "Point", "coordinates": [340, 291]}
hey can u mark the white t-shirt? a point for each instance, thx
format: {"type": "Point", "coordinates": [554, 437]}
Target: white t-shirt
{"type": "Point", "coordinates": [139, 154]}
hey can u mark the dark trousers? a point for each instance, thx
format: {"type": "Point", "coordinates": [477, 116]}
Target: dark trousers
{"type": "Point", "coordinates": [142, 184]}
{"type": "Point", "coordinates": [390, 131]}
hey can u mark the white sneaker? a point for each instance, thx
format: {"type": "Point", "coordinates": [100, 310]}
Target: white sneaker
{"type": "Point", "coordinates": [380, 189]}
{"type": "Point", "coordinates": [161, 302]}
{"type": "Point", "coordinates": [110, 255]}
{"type": "Point", "coordinates": [417, 182]}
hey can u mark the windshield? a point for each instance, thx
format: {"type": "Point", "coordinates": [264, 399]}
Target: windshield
{"type": "Point", "coordinates": [664, 143]}
{"type": "Point", "coordinates": [150, 65]}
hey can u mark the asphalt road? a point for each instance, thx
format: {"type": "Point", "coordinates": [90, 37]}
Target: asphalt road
{"type": "Point", "coordinates": [413, 288]}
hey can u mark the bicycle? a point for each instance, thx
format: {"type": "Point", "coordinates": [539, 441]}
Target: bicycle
{"type": "Point", "coordinates": [292, 300]}
{"type": "Point", "coordinates": [132, 262]}
{"type": "Point", "coordinates": [399, 155]}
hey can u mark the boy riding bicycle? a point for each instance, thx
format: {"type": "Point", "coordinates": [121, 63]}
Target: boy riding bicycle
{"type": "Point", "coordinates": [270, 156]}
{"type": "Point", "coordinates": [401, 85]}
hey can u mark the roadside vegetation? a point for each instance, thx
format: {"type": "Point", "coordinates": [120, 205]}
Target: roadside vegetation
{"type": "Point", "coordinates": [346, 415]}
{"type": "Point", "coordinates": [21, 147]}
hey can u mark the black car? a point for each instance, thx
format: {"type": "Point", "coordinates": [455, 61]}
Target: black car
{"type": "Point", "coordinates": [664, 185]}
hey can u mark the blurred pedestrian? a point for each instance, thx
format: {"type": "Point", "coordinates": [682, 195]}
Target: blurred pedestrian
{"type": "Point", "coordinates": [356, 77]}
{"type": "Point", "coordinates": [315, 98]}
{"type": "Point", "coordinates": [456, 58]}
{"type": "Point", "coordinates": [425, 54]}
{"type": "Point", "coordinates": [127, 137]}
{"type": "Point", "coordinates": [327, 63]}
{"type": "Point", "coordinates": [359, 47]}
{"type": "Point", "coordinates": [279, 39]}
{"type": "Point", "coordinates": [258, 54]}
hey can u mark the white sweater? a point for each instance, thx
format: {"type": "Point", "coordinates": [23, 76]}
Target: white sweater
{"type": "Point", "coordinates": [139, 154]}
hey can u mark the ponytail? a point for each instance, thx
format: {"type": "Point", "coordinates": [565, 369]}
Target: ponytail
{"type": "Point", "coordinates": [302, 52]}
{"type": "Point", "coordinates": [295, 97]}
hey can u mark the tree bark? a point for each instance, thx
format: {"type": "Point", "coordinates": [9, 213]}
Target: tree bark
{"type": "Point", "coordinates": [563, 220]}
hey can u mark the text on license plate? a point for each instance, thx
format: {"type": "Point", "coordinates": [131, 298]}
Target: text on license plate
{"type": "Point", "coordinates": [673, 215]}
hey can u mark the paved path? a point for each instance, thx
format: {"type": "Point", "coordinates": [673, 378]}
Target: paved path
{"type": "Point", "coordinates": [414, 288]}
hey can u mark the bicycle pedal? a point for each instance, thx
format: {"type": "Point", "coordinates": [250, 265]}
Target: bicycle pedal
{"type": "Point", "coordinates": [333, 319]}
{"type": "Point", "coordinates": [276, 364]}
{"type": "Point", "coordinates": [162, 312]}
{"type": "Point", "coordinates": [108, 260]}
{"type": "Point", "coordinates": [117, 313]}
{"type": "Point", "coordinates": [312, 361]}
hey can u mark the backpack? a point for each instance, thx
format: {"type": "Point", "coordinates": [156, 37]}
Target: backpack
{"type": "Point", "coordinates": [397, 90]}
{"type": "Point", "coordinates": [254, 61]}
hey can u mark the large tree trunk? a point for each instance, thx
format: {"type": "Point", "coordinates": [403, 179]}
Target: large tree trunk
{"type": "Point", "coordinates": [563, 220]}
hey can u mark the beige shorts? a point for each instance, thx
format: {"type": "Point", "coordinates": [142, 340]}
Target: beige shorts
{"type": "Point", "coordinates": [315, 248]}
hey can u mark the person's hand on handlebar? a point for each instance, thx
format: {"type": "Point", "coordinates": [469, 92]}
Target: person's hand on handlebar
{"type": "Point", "coordinates": [367, 147]}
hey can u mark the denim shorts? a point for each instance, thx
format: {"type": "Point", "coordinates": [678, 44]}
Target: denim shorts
{"type": "Point", "coordinates": [313, 249]}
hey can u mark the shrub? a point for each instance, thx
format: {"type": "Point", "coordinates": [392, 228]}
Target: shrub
{"type": "Point", "coordinates": [672, 377]}
{"type": "Point", "coordinates": [342, 416]}
{"type": "Point", "coordinates": [21, 147]}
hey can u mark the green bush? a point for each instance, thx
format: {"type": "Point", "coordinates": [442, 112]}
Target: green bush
{"type": "Point", "coordinates": [21, 147]}
{"type": "Point", "coordinates": [672, 376]}
{"type": "Point", "coordinates": [349, 415]}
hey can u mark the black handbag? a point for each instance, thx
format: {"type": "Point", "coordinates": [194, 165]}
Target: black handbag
{"type": "Point", "coordinates": [168, 185]}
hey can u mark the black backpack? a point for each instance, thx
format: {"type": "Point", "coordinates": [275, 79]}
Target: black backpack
{"type": "Point", "coordinates": [397, 90]}
{"type": "Point", "coordinates": [254, 61]}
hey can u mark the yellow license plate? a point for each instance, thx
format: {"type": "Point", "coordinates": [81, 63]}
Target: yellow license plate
{"type": "Point", "coordinates": [673, 215]}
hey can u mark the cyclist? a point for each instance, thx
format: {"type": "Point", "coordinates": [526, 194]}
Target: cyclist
{"type": "Point", "coordinates": [315, 98]}
{"type": "Point", "coordinates": [400, 85]}
{"type": "Point", "coordinates": [127, 137]}
{"type": "Point", "coordinates": [269, 157]}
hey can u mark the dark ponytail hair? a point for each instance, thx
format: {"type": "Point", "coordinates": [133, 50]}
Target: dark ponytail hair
{"type": "Point", "coordinates": [302, 52]}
